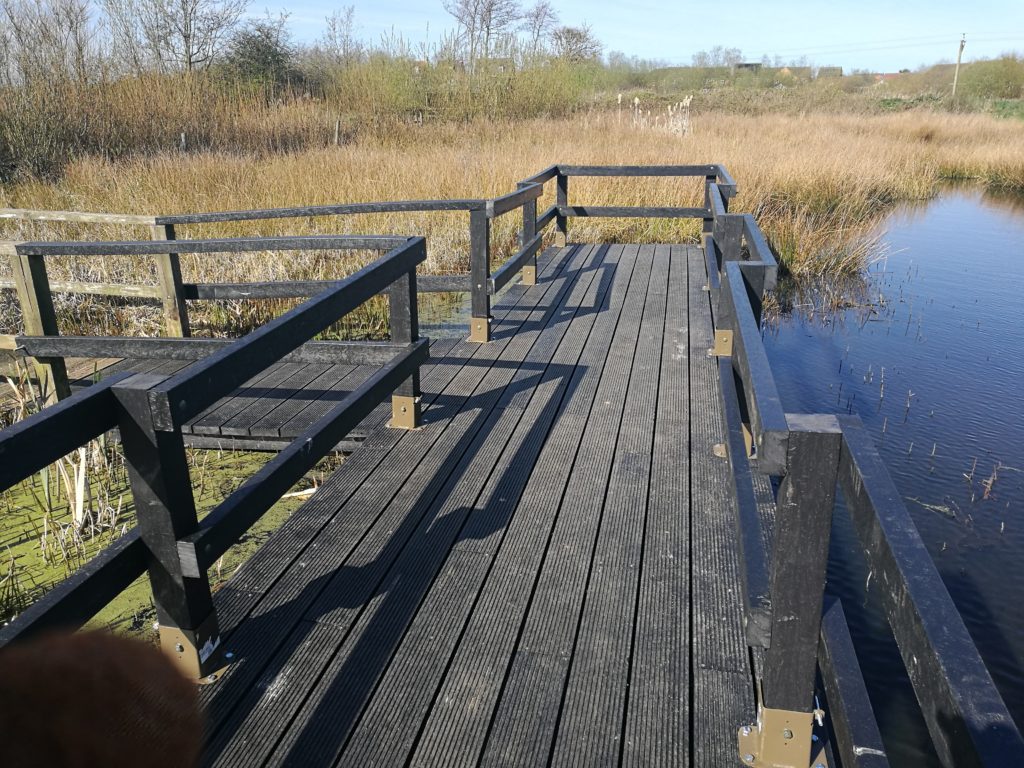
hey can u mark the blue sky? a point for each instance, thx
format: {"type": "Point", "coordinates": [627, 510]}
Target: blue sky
{"type": "Point", "coordinates": [879, 35]}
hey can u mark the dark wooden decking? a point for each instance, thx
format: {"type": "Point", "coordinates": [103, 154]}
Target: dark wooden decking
{"type": "Point", "coordinates": [273, 408]}
{"type": "Point", "coordinates": [545, 572]}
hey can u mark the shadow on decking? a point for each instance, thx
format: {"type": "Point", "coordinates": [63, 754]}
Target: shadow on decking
{"type": "Point", "coordinates": [401, 574]}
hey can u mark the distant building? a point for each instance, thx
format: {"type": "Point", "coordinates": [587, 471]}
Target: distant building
{"type": "Point", "coordinates": [830, 71]}
{"type": "Point", "coordinates": [749, 66]}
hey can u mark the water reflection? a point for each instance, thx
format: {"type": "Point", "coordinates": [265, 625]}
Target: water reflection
{"type": "Point", "coordinates": [929, 351]}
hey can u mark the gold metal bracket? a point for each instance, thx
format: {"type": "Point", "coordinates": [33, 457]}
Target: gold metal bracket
{"type": "Point", "coordinates": [405, 412]}
{"type": "Point", "coordinates": [748, 439]}
{"type": "Point", "coordinates": [723, 345]}
{"type": "Point", "coordinates": [480, 330]}
{"type": "Point", "coordinates": [529, 275]}
{"type": "Point", "coordinates": [197, 652]}
{"type": "Point", "coordinates": [781, 739]}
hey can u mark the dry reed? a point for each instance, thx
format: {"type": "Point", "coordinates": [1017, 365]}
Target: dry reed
{"type": "Point", "coordinates": [818, 184]}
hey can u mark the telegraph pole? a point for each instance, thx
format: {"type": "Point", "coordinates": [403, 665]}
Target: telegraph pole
{"type": "Point", "coordinates": [959, 54]}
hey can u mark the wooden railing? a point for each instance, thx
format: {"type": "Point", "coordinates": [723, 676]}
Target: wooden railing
{"type": "Point", "coordinates": [792, 638]}
{"type": "Point", "coordinates": [783, 590]}
{"type": "Point", "coordinates": [149, 411]}
{"type": "Point", "coordinates": [174, 293]}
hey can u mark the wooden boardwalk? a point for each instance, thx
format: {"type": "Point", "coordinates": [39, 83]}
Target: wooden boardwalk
{"type": "Point", "coordinates": [559, 565]}
{"type": "Point", "coordinates": [275, 407]}
{"type": "Point", "coordinates": [545, 572]}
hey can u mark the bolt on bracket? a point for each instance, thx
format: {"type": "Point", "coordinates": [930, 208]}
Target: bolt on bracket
{"type": "Point", "coordinates": [196, 652]}
{"type": "Point", "coordinates": [405, 412]}
{"type": "Point", "coordinates": [781, 739]}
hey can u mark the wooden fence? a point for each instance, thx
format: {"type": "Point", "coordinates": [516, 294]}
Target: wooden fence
{"type": "Point", "coordinates": [793, 635]}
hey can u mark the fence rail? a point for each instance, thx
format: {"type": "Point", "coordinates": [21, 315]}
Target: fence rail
{"type": "Point", "coordinates": [814, 454]}
{"type": "Point", "coordinates": [149, 411]}
{"type": "Point", "coordinates": [789, 628]}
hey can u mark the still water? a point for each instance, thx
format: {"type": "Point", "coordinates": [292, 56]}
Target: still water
{"type": "Point", "coordinates": [932, 360]}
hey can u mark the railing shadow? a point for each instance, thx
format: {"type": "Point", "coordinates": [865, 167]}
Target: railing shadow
{"type": "Point", "coordinates": [401, 574]}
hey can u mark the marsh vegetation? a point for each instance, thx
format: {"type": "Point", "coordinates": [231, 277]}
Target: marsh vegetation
{"type": "Point", "coordinates": [263, 122]}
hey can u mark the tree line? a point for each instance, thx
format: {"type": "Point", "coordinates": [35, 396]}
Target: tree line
{"type": "Point", "coordinates": [85, 41]}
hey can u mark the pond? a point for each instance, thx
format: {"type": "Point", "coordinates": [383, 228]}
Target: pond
{"type": "Point", "coordinates": [932, 360]}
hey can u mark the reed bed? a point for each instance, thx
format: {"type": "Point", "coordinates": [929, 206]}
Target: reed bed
{"type": "Point", "coordinates": [818, 184]}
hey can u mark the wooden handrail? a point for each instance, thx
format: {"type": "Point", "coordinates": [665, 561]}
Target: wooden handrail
{"type": "Point", "coordinates": [77, 217]}
{"type": "Point", "coordinates": [150, 411]}
{"type": "Point", "coordinates": [813, 453]}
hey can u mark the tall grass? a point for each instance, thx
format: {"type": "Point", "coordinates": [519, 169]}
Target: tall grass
{"type": "Point", "coordinates": [820, 168]}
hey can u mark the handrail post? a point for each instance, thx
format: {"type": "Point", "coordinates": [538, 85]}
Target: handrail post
{"type": "Point", "coordinates": [526, 235]}
{"type": "Point", "coordinates": [803, 523]}
{"type": "Point", "coordinates": [168, 267]}
{"type": "Point", "coordinates": [708, 223]}
{"type": "Point", "coordinates": [165, 507]}
{"type": "Point", "coordinates": [562, 201]}
{"type": "Point", "coordinates": [404, 318]}
{"type": "Point", "coordinates": [728, 234]}
{"type": "Point", "coordinates": [40, 319]}
{"type": "Point", "coordinates": [479, 275]}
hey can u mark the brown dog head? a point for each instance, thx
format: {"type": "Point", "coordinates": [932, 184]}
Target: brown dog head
{"type": "Point", "coordinates": [95, 699]}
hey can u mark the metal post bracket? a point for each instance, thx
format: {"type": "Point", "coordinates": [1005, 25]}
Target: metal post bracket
{"type": "Point", "coordinates": [480, 330]}
{"type": "Point", "coordinates": [405, 412]}
{"type": "Point", "coordinates": [723, 345]}
{"type": "Point", "coordinates": [779, 739]}
{"type": "Point", "coordinates": [197, 653]}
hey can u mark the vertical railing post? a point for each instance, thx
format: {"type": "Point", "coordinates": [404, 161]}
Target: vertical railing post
{"type": "Point", "coordinates": [39, 318]}
{"type": "Point", "coordinates": [168, 268]}
{"type": "Point", "coordinates": [562, 201]}
{"type": "Point", "coordinates": [479, 275]}
{"type": "Point", "coordinates": [803, 523]}
{"type": "Point", "coordinates": [527, 234]}
{"type": "Point", "coordinates": [165, 508]}
{"type": "Point", "coordinates": [708, 224]}
{"type": "Point", "coordinates": [404, 318]}
{"type": "Point", "coordinates": [729, 236]}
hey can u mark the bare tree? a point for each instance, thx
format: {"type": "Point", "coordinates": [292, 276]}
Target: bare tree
{"type": "Point", "coordinates": [467, 19]}
{"type": "Point", "coordinates": [481, 23]}
{"type": "Point", "coordinates": [497, 18]}
{"type": "Point", "coordinates": [129, 50]}
{"type": "Point", "coordinates": [48, 39]}
{"type": "Point", "coordinates": [576, 44]}
{"type": "Point", "coordinates": [718, 57]}
{"type": "Point", "coordinates": [173, 34]}
{"type": "Point", "coordinates": [339, 39]}
{"type": "Point", "coordinates": [539, 22]}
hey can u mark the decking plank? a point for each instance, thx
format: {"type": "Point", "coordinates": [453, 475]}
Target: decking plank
{"type": "Point", "coordinates": [260, 572]}
{"type": "Point", "coordinates": [590, 731]}
{"type": "Point", "coordinates": [544, 573]}
{"type": "Point", "coordinates": [379, 624]}
{"type": "Point", "coordinates": [657, 717]}
{"type": "Point", "coordinates": [528, 709]}
{"type": "Point", "coordinates": [265, 401]}
{"type": "Point", "coordinates": [288, 544]}
{"type": "Point", "coordinates": [329, 378]}
{"type": "Point", "coordinates": [720, 656]}
{"type": "Point", "coordinates": [209, 421]}
{"type": "Point", "coordinates": [340, 381]}
{"type": "Point", "coordinates": [403, 698]}
{"type": "Point", "coordinates": [349, 519]}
